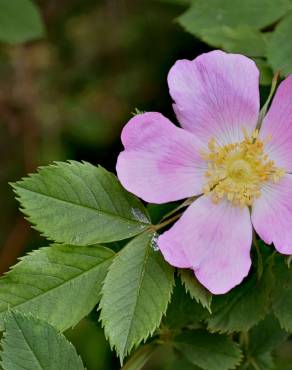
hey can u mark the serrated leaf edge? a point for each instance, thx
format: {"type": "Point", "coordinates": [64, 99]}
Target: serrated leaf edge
{"type": "Point", "coordinates": [125, 353]}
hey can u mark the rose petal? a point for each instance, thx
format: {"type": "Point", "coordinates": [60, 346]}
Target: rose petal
{"type": "Point", "coordinates": [278, 124]}
{"type": "Point", "coordinates": [216, 95]}
{"type": "Point", "coordinates": [272, 214]}
{"type": "Point", "coordinates": [161, 162]}
{"type": "Point", "coordinates": [212, 239]}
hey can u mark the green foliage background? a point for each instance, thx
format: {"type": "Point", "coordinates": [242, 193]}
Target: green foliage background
{"type": "Point", "coordinates": [71, 73]}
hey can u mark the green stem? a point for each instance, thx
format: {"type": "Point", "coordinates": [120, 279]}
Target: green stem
{"type": "Point", "coordinates": [289, 260]}
{"type": "Point", "coordinates": [140, 357]}
{"type": "Point", "coordinates": [166, 222]}
{"type": "Point", "coordinates": [184, 204]}
{"type": "Point", "coordinates": [260, 269]}
{"type": "Point", "coordinates": [267, 103]}
{"type": "Point", "coordinates": [254, 364]}
{"type": "Point", "coordinates": [244, 340]}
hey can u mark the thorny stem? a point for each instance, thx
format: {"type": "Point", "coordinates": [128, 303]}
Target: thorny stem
{"type": "Point", "coordinates": [260, 259]}
{"type": "Point", "coordinates": [266, 105]}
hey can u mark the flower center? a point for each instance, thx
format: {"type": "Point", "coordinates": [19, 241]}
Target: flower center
{"type": "Point", "coordinates": [238, 171]}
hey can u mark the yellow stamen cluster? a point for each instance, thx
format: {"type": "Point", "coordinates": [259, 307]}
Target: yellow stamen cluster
{"type": "Point", "coordinates": [237, 171]}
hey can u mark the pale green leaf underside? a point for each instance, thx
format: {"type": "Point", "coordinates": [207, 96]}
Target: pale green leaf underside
{"type": "Point", "coordinates": [195, 289]}
{"type": "Point", "coordinates": [208, 351]}
{"type": "Point", "coordinates": [32, 344]}
{"type": "Point", "coordinates": [80, 204]}
{"type": "Point", "coordinates": [135, 294]}
{"type": "Point", "coordinates": [204, 15]}
{"type": "Point", "coordinates": [60, 284]}
{"type": "Point", "coordinates": [241, 39]}
{"type": "Point", "coordinates": [20, 21]}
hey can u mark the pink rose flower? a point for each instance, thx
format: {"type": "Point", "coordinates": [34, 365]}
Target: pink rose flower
{"type": "Point", "coordinates": [241, 174]}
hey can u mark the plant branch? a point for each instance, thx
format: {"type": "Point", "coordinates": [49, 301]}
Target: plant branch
{"type": "Point", "coordinates": [166, 222]}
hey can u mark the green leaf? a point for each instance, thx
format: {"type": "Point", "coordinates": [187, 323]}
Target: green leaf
{"type": "Point", "coordinates": [135, 294]}
{"type": "Point", "coordinates": [262, 362]}
{"type": "Point", "coordinates": [281, 57]}
{"type": "Point", "coordinates": [208, 351]}
{"type": "Point", "coordinates": [183, 364]}
{"type": "Point", "coordinates": [260, 342]}
{"type": "Point", "coordinates": [176, 2]}
{"type": "Point", "coordinates": [241, 39]}
{"type": "Point", "coordinates": [33, 344]}
{"type": "Point", "coordinates": [20, 21]}
{"type": "Point", "coordinates": [195, 289]}
{"type": "Point", "coordinates": [204, 15]}
{"type": "Point", "coordinates": [60, 284]}
{"type": "Point", "coordinates": [183, 311]}
{"type": "Point", "coordinates": [140, 357]}
{"type": "Point", "coordinates": [282, 294]}
{"type": "Point", "coordinates": [244, 306]}
{"type": "Point", "coordinates": [266, 336]}
{"type": "Point", "coordinates": [80, 204]}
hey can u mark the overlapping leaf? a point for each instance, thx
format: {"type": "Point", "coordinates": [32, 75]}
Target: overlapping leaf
{"type": "Point", "coordinates": [195, 289]}
{"type": "Point", "coordinates": [266, 336]}
{"type": "Point", "coordinates": [208, 351]}
{"type": "Point", "coordinates": [33, 344]}
{"type": "Point", "coordinates": [80, 204]}
{"type": "Point", "coordinates": [60, 284]}
{"type": "Point", "coordinates": [135, 294]}
{"type": "Point", "coordinates": [260, 342]}
{"type": "Point", "coordinates": [183, 311]}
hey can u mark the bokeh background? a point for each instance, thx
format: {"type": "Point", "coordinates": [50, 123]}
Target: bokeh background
{"type": "Point", "coordinates": [67, 96]}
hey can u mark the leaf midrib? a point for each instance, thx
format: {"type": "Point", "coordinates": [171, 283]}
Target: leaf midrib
{"type": "Point", "coordinates": [28, 343]}
{"type": "Point", "coordinates": [16, 187]}
{"type": "Point", "coordinates": [146, 257]}
{"type": "Point", "coordinates": [55, 287]}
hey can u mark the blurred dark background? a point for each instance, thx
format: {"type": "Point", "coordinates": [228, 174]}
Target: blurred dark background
{"type": "Point", "coordinates": [68, 96]}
